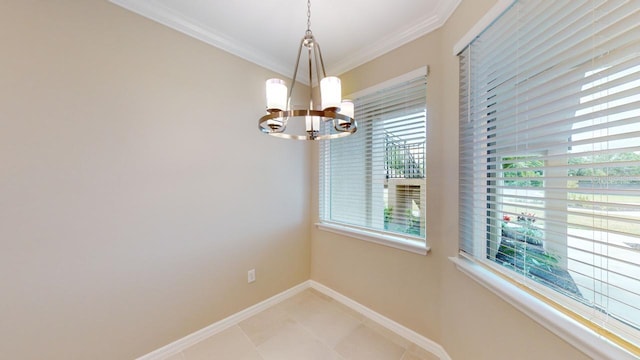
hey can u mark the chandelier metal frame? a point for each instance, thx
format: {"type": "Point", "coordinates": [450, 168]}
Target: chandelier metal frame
{"type": "Point", "coordinates": [275, 121]}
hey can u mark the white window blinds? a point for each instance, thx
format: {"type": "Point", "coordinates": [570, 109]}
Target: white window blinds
{"type": "Point", "coordinates": [375, 180]}
{"type": "Point", "coordinates": [550, 156]}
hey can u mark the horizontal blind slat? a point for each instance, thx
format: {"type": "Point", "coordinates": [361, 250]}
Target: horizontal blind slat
{"type": "Point", "coordinates": [390, 141]}
{"type": "Point", "coordinates": [550, 154]}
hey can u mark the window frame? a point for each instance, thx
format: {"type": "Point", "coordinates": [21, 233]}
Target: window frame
{"type": "Point", "coordinates": [405, 242]}
{"type": "Point", "coordinates": [558, 322]}
{"type": "Point", "coordinates": [570, 327]}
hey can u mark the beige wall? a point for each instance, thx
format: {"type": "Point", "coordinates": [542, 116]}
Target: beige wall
{"type": "Point", "coordinates": [124, 147]}
{"type": "Point", "coordinates": [389, 281]}
{"type": "Point", "coordinates": [135, 189]}
{"type": "Point", "coordinates": [427, 293]}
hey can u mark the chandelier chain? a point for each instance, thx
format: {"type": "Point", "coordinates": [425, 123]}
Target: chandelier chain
{"type": "Point", "coordinates": [308, 15]}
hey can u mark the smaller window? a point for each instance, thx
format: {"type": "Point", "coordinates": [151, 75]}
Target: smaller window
{"type": "Point", "coordinates": [375, 180]}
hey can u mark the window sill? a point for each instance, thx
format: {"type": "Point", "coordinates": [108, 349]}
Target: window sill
{"type": "Point", "coordinates": [553, 320]}
{"type": "Point", "coordinates": [397, 242]}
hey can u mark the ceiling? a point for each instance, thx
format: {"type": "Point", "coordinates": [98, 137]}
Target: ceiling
{"type": "Point", "coordinates": [268, 32]}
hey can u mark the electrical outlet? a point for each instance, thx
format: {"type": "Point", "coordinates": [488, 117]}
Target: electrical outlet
{"type": "Point", "coordinates": [251, 275]}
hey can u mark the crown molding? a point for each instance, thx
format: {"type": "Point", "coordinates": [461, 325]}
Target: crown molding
{"type": "Point", "coordinates": [389, 43]}
{"type": "Point", "coordinates": [445, 9]}
{"type": "Point", "coordinates": [371, 51]}
{"type": "Point", "coordinates": [166, 16]}
{"type": "Point", "coordinates": [182, 23]}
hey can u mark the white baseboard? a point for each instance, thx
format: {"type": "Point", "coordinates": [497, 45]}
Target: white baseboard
{"type": "Point", "coordinates": [191, 339]}
{"type": "Point", "coordinates": [391, 325]}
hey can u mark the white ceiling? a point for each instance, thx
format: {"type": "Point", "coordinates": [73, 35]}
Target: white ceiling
{"type": "Point", "coordinates": [268, 32]}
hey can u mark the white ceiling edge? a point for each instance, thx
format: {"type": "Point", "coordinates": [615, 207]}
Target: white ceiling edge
{"type": "Point", "coordinates": [427, 25]}
{"type": "Point", "coordinates": [394, 41]}
{"type": "Point", "coordinates": [179, 22]}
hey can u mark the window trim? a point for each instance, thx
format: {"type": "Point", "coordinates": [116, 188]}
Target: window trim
{"type": "Point", "coordinates": [579, 333]}
{"type": "Point", "coordinates": [406, 243]}
{"type": "Point", "coordinates": [482, 24]}
{"type": "Point", "coordinates": [412, 244]}
{"type": "Point", "coordinates": [421, 71]}
{"type": "Point", "coordinates": [560, 324]}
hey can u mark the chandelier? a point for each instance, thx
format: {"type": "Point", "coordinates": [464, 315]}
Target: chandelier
{"type": "Point", "coordinates": [334, 118]}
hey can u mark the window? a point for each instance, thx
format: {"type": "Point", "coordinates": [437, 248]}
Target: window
{"type": "Point", "coordinates": [374, 182]}
{"type": "Point", "coordinates": [550, 157]}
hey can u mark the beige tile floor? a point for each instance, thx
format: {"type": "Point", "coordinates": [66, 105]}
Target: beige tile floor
{"type": "Point", "coordinates": [308, 326]}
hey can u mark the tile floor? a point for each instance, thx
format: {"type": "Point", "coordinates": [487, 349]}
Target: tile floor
{"type": "Point", "coordinates": [308, 326]}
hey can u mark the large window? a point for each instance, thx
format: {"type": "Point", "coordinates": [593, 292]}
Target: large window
{"type": "Point", "coordinates": [550, 157]}
{"type": "Point", "coordinates": [375, 180]}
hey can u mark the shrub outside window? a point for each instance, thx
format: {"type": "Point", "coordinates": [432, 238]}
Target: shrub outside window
{"type": "Point", "coordinates": [375, 180]}
{"type": "Point", "coordinates": [550, 157]}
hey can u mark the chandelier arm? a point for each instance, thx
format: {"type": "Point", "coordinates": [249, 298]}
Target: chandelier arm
{"type": "Point", "coordinates": [295, 70]}
{"type": "Point", "coordinates": [324, 73]}
{"type": "Point", "coordinates": [275, 122]}
{"type": "Point", "coordinates": [316, 58]}
{"type": "Point", "coordinates": [310, 72]}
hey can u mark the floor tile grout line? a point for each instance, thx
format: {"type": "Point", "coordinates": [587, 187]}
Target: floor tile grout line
{"type": "Point", "coordinates": [293, 313]}
{"type": "Point", "coordinates": [414, 338]}
{"type": "Point", "coordinates": [328, 301]}
{"type": "Point", "coordinates": [322, 340]}
{"type": "Point", "coordinates": [255, 347]}
{"type": "Point", "coordinates": [313, 335]}
{"type": "Point", "coordinates": [308, 331]}
{"type": "Point", "coordinates": [361, 322]}
{"type": "Point", "coordinates": [404, 353]}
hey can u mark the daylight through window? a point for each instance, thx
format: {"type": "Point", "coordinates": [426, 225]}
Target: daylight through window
{"type": "Point", "coordinates": [375, 180]}
{"type": "Point", "coordinates": [550, 157]}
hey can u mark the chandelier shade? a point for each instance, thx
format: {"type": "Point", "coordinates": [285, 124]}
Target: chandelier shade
{"type": "Point", "coordinates": [276, 94]}
{"type": "Point", "coordinates": [334, 117]}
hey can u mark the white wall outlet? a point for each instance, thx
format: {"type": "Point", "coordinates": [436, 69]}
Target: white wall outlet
{"type": "Point", "coordinates": [251, 275]}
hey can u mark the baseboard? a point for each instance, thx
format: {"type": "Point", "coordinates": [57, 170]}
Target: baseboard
{"type": "Point", "coordinates": [391, 325]}
{"type": "Point", "coordinates": [193, 338]}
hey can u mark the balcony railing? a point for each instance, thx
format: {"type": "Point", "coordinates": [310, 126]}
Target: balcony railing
{"type": "Point", "coordinates": [403, 159]}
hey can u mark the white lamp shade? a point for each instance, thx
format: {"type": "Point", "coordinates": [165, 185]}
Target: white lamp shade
{"type": "Point", "coordinates": [313, 123]}
{"type": "Point", "coordinates": [346, 108]}
{"type": "Point", "coordinates": [330, 92]}
{"type": "Point", "coordinates": [276, 94]}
